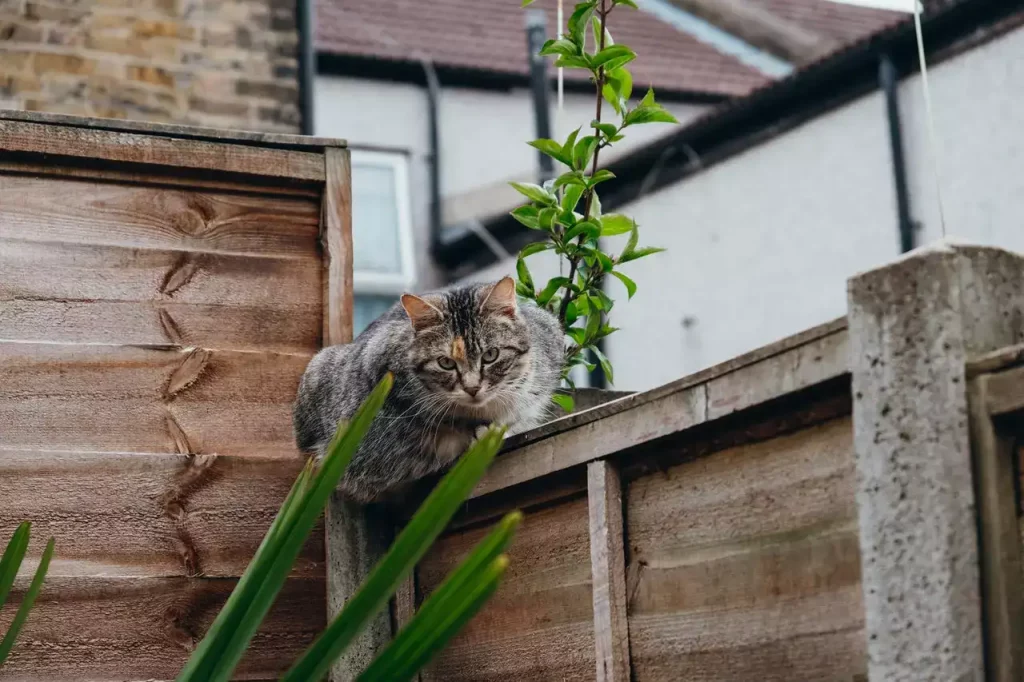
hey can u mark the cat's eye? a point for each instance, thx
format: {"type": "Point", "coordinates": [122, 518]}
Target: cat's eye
{"type": "Point", "coordinates": [446, 363]}
{"type": "Point", "coordinates": [490, 356]}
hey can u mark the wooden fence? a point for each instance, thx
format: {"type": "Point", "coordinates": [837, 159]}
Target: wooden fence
{"type": "Point", "coordinates": [161, 291]}
{"type": "Point", "coordinates": [841, 505]}
{"type": "Point", "coordinates": [810, 511]}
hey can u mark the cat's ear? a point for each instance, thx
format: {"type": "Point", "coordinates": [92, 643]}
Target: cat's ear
{"type": "Point", "coordinates": [421, 313]}
{"type": "Point", "coordinates": [501, 299]}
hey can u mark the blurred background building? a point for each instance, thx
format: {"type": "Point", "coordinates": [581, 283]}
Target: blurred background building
{"type": "Point", "coordinates": [802, 156]}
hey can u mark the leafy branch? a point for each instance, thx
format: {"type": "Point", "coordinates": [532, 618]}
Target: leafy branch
{"type": "Point", "coordinates": [579, 300]}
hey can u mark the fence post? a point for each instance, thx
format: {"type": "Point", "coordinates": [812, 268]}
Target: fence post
{"type": "Point", "coordinates": [356, 536]}
{"type": "Point", "coordinates": [913, 326]}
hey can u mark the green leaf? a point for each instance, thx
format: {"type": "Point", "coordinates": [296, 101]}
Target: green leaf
{"type": "Point", "coordinates": [559, 46]}
{"type": "Point", "coordinates": [564, 401]}
{"type": "Point", "coordinates": [587, 227]}
{"type": "Point", "coordinates": [614, 52]}
{"type": "Point", "coordinates": [642, 115]}
{"type": "Point", "coordinates": [534, 192]}
{"type": "Point", "coordinates": [606, 364]}
{"type": "Point", "coordinates": [581, 62]}
{"type": "Point", "coordinates": [614, 224]}
{"type": "Point", "coordinates": [595, 206]}
{"type": "Point", "coordinates": [570, 144]}
{"type": "Point", "coordinates": [630, 284]}
{"type": "Point", "coordinates": [595, 32]}
{"type": "Point", "coordinates": [535, 247]}
{"type": "Point", "coordinates": [600, 176]}
{"type": "Point", "coordinates": [221, 649]}
{"type": "Point", "coordinates": [524, 291]}
{"type": "Point", "coordinates": [579, 19]}
{"type": "Point", "coordinates": [634, 239]}
{"type": "Point", "coordinates": [571, 313]}
{"type": "Point", "coordinates": [523, 273]}
{"type": "Point", "coordinates": [621, 81]}
{"type": "Point", "coordinates": [410, 546]}
{"type": "Point", "coordinates": [612, 97]}
{"type": "Point", "coordinates": [546, 219]}
{"type": "Point", "coordinates": [13, 555]}
{"type": "Point", "coordinates": [639, 253]}
{"type": "Point", "coordinates": [571, 197]}
{"type": "Point", "coordinates": [648, 100]}
{"type": "Point", "coordinates": [552, 287]}
{"type": "Point", "coordinates": [627, 3]}
{"type": "Point", "coordinates": [583, 151]}
{"type": "Point", "coordinates": [577, 334]}
{"type": "Point", "coordinates": [606, 300]}
{"type": "Point", "coordinates": [593, 325]}
{"type": "Point", "coordinates": [552, 149]}
{"type": "Point", "coordinates": [605, 261]}
{"type": "Point", "coordinates": [454, 601]}
{"type": "Point", "coordinates": [527, 3]}
{"type": "Point", "coordinates": [27, 602]}
{"type": "Point", "coordinates": [528, 216]}
{"type": "Point", "coordinates": [607, 129]}
{"type": "Point", "coordinates": [573, 177]}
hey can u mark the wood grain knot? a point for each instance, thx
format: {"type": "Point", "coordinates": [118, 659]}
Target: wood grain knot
{"type": "Point", "coordinates": [187, 373]}
{"type": "Point", "coordinates": [198, 472]}
{"type": "Point", "coordinates": [170, 327]}
{"type": "Point", "coordinates": [180, 273]}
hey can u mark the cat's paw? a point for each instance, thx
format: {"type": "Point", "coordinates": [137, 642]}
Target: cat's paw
{"type": "Point", "coordinates": [480, 431]}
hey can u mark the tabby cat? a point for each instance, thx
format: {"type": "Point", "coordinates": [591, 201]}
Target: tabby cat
{"type": "Point", "coordinates": [462, 358]}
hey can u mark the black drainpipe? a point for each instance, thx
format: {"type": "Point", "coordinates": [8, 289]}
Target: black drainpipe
{"type": "Point", "coordinates": [307, 63]}
{"type": "Point", "coordinates": [536, 35]}
{"type": "Point", "coordinates": [888, 81]}
{"type": "Point", "coordinates": [434, 152]}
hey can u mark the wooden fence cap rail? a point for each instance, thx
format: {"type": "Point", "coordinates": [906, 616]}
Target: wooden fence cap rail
{"type": "Point", "coordinates": [279, 140]}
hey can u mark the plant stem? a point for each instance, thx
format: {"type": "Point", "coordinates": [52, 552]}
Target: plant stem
{"type": "Point", "coordinates": [574, 262]}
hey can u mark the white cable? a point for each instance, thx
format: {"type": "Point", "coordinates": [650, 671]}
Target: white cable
{"type": "Point", "coordinates": [932, 138]}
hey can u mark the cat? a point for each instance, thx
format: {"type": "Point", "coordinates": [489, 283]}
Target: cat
{"type": "Point", "coordinates": [462, 358]}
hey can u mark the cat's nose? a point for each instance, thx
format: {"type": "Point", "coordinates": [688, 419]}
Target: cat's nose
{"type": "Point", "coordinates": [471, 390]}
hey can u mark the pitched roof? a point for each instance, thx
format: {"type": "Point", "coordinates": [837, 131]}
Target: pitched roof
{"type": "Point", "coordinates": [950, 26]}
{"type": "Point", "coordinates": [489, 36]}
{"type": "Point", "coordinates": [837, 22]}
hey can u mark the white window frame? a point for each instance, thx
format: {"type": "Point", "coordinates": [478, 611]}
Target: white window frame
{"type": "Point", "coordinates": [377, 282]}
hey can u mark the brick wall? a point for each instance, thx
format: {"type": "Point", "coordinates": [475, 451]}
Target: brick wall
{"type": "Point", "coordinates": [223, 63]}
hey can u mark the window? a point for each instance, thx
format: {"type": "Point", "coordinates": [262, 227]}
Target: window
{"type": "Point", "coordinates": [382, 237]}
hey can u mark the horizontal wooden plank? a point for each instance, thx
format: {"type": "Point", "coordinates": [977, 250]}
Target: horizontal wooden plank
{"type": "Point", "coordinates": [127, 514]}
{"type": "Point", "coordinates": [81, 212]}
{"type": "Point", "coordinates": [539, 626]}
{"type": "Point", "coordinates": [1004, 391]}
{"type": "Point", "coordinates": [244, 137]}
{"type": "Point", "coordinates": [129, 399]}
{"type": "Point", "coordinates": [644, 417]}
{"type": "Point", "coordinates": [71, 293]}
{"type": "Point", "coordinates": [153, 150]}
{"type": "Point", "coordinates": [741, 560]}
{"type": "Point", "coordinates": [1004, 358]}
{"type": "Point", "coordinates": [102, 629]}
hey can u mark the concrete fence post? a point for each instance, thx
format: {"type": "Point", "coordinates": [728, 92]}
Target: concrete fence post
{"type": "Point", "coordinates": [914, 324]}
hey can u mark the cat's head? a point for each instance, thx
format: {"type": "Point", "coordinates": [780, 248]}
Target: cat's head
{"type": "Point", "coordinates": [471, 344]}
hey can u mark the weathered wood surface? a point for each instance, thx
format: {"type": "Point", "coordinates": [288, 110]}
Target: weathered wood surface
{"type": "Point", "coordinates": [52, 210]}
{"type": "Point", "coordinates": [993, 452]}
{"type": "Point", "coordinates": [132, 515]}
{"type": "Point", "coordinates": [75, 293]}
{"type": "Point", "coordinates": [337, 248]}
{"type": "Point", "coordinates": [113, 629]}
{"type": "Point", "coordinates": [1004, 391]}
{"type": "Point", "coordinates": [608, 568]}
{"type": "Point", "coordinates": [745, 564]}
{"type": "Point", "coordinates": [91, 145]}
{"type": "Point", "coordinates": [539, 625]}
{"type": "Point", "coordinates": [246, 137]}
{"type": "Point", "coordinates": [769, 373]}
{"type": "Point", "coordinates": [128, 399]}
